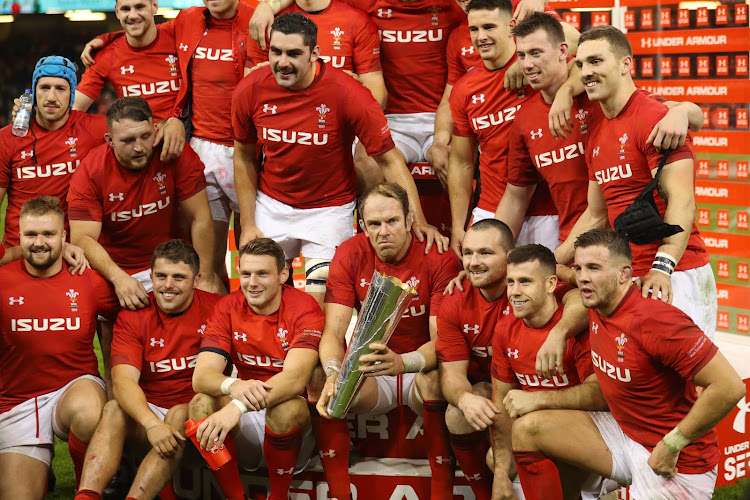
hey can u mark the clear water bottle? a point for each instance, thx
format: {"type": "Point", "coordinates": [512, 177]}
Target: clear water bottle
{"type": "Point", "coordinates": [23, 117]}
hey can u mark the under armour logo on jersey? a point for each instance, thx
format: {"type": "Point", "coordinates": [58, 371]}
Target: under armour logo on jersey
{"type": "Point", "coordinates": [467, 50]}
{"type": "Point", "coordinates": [267, 108]}
{"type": "Point", "coordinates": [363, 283]}
{"type": "Point", "coordinates": [281, 472]}
{"type": "Point", "coordinates": [26, 154]}
{"type": "Point", "coordinates": [595, 328]}
{"type": "Point", "coordinates": [441, 460]}
{"type": "Point", "coordinates": [596, 152]}
{"type": "Point", "coordinates": [126, 69]}
{"type": "Point", "coordinates": [13, 301]}
{"type": "Point", "coordinates": [473, 329]}
{"type": "Point", "coordinates": [739, 420]}
{"type": "Point", "coordinates": [385, 12]}
{"type": "Point", "coordinates": [155, 342]}
{"type": "Point", "coordinates": [327, 454]}
{"type": "Point", "coordinates": [202, 329]}
{"type": "Point", "coordinates": [477, 98]}
{"type": "Point", "coordinates": [512, 354]}
{"type": "Point", "coordinates": [183, 47]}
{"type": "Point", "coordinates": [240, 336]}
{"type": "Point", "coordinates": [536, 134]}
{"type": "Point", "coordinates": [118, 196]}
{"type": "Point", "coordinates": [475, 477]}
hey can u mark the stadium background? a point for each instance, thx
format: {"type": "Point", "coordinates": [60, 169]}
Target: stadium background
{"type": "Point", "coordinates": [689, 50]}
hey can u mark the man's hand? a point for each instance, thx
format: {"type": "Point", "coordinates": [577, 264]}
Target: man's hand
{"type": "Point", "coordinates": [663, 462]}
{"type": "Point", "coordinates": [248, 234]}
{"type": "Point", "coordinates": [566, 274]}
{"type": "Point", "coordinates": [477, 410]}
{"type": "Point", "coordinates": [518, 403]}
{"type": "Point", "coordinates": [252, 393]}
{"type": "Point", "coordinates": [212, 431]}
{"type": "Point", "coordinates": [514, 77]}
{"type": "Point", "coordinates": [165, 439]}
{"type": "Point", "coordinates": [87, 56]}
{"type": "Point", "coordinates": [353, 75]}
{"type": "Point", "coordinates": [425, 232]}
{"type": "Point", "coordinates": [211, 283]}
{"type": "Point", "coordinates": [130, 292]}
{"type": "Point", "coordinates": [457, 239]}
{"type": "Point", "coordinates": [258, 66]}
{"type": "Point", "coordinates": [655, 282]}
{"type": "Point", "coordinates": [502, 488]}
{"type": "Point", "coordinates": [455, 283]}
{"type": "Point", "coordinates": [549, 357]}
{"type": "Point", "coordinates": [382, 361]}
{"type": "Point", "coordinates": [671, 131]}
{"type": "Point", "coordinates": [73, 255]}
{"type": "Point", "coordinates": [560, 119]}
{"type": "Point", "coordinates": [260, 24]}
{"type": "Point", "coordinates": [329, 390]}
{"type": "Point", "coordinates": [437, 156]}
{"type": "Point", "coordinates": [172, 132]}
{"type": "Point", "coordinates": [526, 7]}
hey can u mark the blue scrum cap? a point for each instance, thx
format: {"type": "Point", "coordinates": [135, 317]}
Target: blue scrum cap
{"type": "Point", "coordinates": [56, 66]}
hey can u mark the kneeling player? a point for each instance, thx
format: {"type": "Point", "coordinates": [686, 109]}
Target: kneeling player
{"type": "Point", "coordinates": [531, 287]}
{"type": "Point", "coordinates": [47, 321]}
{"type": "Point", "coordinates": [271, 332]}
{"type": "Point", "coordinates": [153, 355]}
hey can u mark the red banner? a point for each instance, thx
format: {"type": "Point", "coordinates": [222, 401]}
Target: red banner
{"type": "Point", "coordinates": [733, 245]}
{"type": "Point", "coordinates": [703, 91]}
{"type": "Point", "coordinates": [582, 4]}
{"type": "Point", "coordinates": [733, 295]}
{"type": "Point", "coordinates": [734, 444]}
{"type": "Point", "coordinates": [690, 41]}
{"type": "Point", "coordinates": [729, 142]}
{"type": "Point", "coordinates": [722, 193]}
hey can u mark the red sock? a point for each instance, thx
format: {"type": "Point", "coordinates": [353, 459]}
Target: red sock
{"type": "Point", "coordinates": [87, 495]}
{"type": "Point", "coordinates": [281, 452]}
{"type": "Point", "coordinates": [167, 493]}
{"type": "Point", "coordinates": [471, 451]}
{"type": "Point", "coordinates": [538, 474]}
{"type": "Point", "coordinates": [228, 476]}
{"type": "Point", "coordinates": [438, 450]}
{"type": "Point", "coordinates": [77, 449]}
{"type": "Point", "coordinates": [333, 442]}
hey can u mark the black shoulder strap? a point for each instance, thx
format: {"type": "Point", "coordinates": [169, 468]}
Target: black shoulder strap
{"type": "Point", "coordinates": [648, 191]}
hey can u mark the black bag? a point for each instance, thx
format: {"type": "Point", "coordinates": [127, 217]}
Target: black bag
{"type": "Point", "coordinates": [641, 223]}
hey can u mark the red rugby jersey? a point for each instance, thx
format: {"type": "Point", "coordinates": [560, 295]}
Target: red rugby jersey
{"type": "Point", "coordinates": [151, 72]}
{"type": "Point", "coordinates": [307, 135]}
{"type": "Point", "coordinates": [619, 159]}
{"type": "Point", "coordinates": [136, 209]}
{"type": "Point", "coordinates": [515, 345]}
{"type": "Point", "coordinates": [347, 38]}
{"type": "Point", "coordinates": [354, 264]}
{"type": "Point", "coordinates": [645, 354]}
{"type": "Point", "coordinates": [482, 108]}
{"type": "Point", "coordinates": [47, 328]}
{"type": "Point", "coordinates": [43, 162]}
{"type": "Point", "coordinates": [256, 344]}
{"type": "Point", "coordinates": [466, 323]}
{"type": "Point", "coordinates": [163, 347]}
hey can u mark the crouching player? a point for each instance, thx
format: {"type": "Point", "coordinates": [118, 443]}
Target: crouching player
{"type": "Point", "coordinates": [49, 382]}
{"type": "Point", "coordinates": [154, 351]}
{"type": "Point", "coordinates": [271, 332]}
{"type": "Point", "coordinates": [531, 287]}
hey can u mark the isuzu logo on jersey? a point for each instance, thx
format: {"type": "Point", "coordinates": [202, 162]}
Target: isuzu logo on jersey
{"type": "Point", "coordinates": [45, 324]}
{"type": "Point", "coordinates": [12, 301]}
{"type": "Point", "coordinates": [294, 137]}
{"type": "Point", "coordinates": [610, 370]}
{"type": "Point", "coordinates": [144, 209]}
{"type": "Point", "coordinates": [173, 364]}
{"type": "Point", "coordinates": [127, 69]}
{"type": "Point", "coordinates": [536, 381]}
{"type": "Point", "coordinates": [477, 98]}
{"type": "Point", "coordinates": [473, 329]}
{"type": "Point", "coordinates": [28, 154]}
{"type": "Point", "coordinates": [337, 34]}
{"type": "Point", "coordinates": [414, 36]}
{"type": "Point", "coordinates": [267, 108]}
{"type": "Point", "coordinates": [569, 152]}
{"type": "Point", "coordinates": [482, 122]}
{"type": "Point", "coordinates": [142, 89]}
{"type": "Point", "coordinates": [54, 170]}
{"type": "Point", "coordinates": [613, 173]}
{"type": "Point", "coordinates": [254, 360]}
{"type": "Point", "coordinates": [482, 352]}
{"type": "Point", "coordinates": [335, 61]}
{"type": "Point", "coordinates": [213, 54]}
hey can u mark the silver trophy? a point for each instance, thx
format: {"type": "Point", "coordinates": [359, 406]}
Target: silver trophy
{"type": "Point", "coordinates": [385, 302]}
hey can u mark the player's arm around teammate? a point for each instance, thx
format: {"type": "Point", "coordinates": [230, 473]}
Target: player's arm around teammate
{"type": "Point", "coordinates": [500, 437]}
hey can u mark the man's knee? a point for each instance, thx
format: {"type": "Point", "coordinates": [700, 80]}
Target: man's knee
{"type": "Point", "coordinates": [428, 384]}
{"type": "Point", "coordinates": [288, 415]}
{"type": "Point", "coordinates": [316, 275]}
{"type": "Point", "coordinates": [456, 422]}
{"type": "Point", "coordinates": [528, 428]}
{"type": "Point", "coordinates": [176, 417]}
{"type": "Point", "coordinates": [82, 406]}
{"type": "Point", "coordinates": [201, 406]}
{"type": "Point", "coordinates": [113, 415]}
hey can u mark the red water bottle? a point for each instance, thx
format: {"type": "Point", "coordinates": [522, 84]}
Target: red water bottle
{"type": "Point", "coordinates": [216, 456]}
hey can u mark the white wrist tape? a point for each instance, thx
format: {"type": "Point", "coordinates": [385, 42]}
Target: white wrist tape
{"type": "Point", "coordinates": [239, 404]}
{"type": "Point", "coordinates": [331, 366]}
{"type": "Point", "coordinates": [675, 440]}
{"type": "Point", "coordinates": [226, 383]}
{"type": "Point", "coordinates": [413, 361]}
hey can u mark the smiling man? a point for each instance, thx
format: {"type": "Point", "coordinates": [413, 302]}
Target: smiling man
{"type": "Point", "coordinates": [306, 114]}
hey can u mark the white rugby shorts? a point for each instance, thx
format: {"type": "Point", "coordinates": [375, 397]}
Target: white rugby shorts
{"type": "Point", "coordinates": [694, 293]}
{"type": "Point", "coordinates": [412, 133]}
{"type": "Point", "coordinates": [218, 161]}
{"type": "Point", "coordinates": [395, 391]}
{"type": "Point", "coordinates": [630, 467]}
{"type": "Point", "coordinates": [30, 429]}
{"type": "Point", "coordinates": [542, 229]}
{"type": "Point", "coordinates": [315, 232]}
